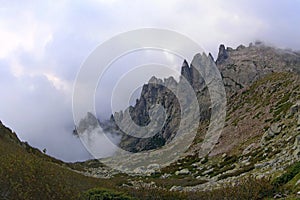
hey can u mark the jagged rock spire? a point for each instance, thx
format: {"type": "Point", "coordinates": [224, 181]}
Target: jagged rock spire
{"type": "Point", "coordinates": [185, 71]}
{"type": "Point", "coordinates": [222, 55]}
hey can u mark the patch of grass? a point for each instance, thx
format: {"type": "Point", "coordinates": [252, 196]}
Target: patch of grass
{"type": "Point", "coordinates": [104, 194]}
{"type": "Point", "coordinates": [237, 172]}
{"type": "Point", "coordinates": [246, 188]}
{"type": "Point", "coordinates": [26, 173]}
{"type": "Point", "coordinates": [179, 180]}
{"type": "Point", "coordinates": [282, 109]}
{"type": "Point", "coordinates": [221, 170]}
{"type": "Point", "coordinates": [291, 172]}
{"type": "Point", "coordinates": [257, 116]}
{"type": "Point", "coordinates": [183, 163]}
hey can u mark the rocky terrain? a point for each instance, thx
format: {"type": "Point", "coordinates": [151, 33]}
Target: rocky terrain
{"type": "Point", "coordinates": [239, 69]}
{"type": "Point", "coordinates": [261, 133]}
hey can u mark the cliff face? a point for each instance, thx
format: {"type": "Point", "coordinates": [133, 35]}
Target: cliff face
{"type": "Point", "coordinates": [242, 66]}
{"type": "Point", "coordinates": [161, 92]}
{"type": "Point", "coordinates": [239, 68]}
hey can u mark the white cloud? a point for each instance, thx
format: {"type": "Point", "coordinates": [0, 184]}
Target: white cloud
{"type": "Point", "coordinates": [58, 83]}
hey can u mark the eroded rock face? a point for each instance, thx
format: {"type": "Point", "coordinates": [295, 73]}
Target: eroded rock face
{"type": "Point", "coordinates": [242, 66]}
{"type": "Point", "coordinates": [153, 93]}
{"type": "Point", "coordinates": [161, 92]}
{"type": "Point", "coordinates": [222, 55]}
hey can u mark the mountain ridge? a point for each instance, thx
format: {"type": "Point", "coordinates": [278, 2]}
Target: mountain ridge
{"type": "Point", "coordinates": [239, 68]}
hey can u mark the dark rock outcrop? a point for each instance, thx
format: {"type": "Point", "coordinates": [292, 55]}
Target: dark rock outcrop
{"type": "Point", "coordinates": [158, 91]}
{"type": "Point", "coordinates": [222, 55]}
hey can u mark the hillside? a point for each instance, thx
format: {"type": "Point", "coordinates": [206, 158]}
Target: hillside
{"type": "Point", "coordinates": [27, 173]}
{"type": "Point", "coordinates": [260, 137]}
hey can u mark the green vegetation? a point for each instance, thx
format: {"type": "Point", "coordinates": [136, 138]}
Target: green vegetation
{"type": "Point", "coordinates": [247, 188]}
{"type": "Point", "coordinates": [104, 194]}
{"type": "Point", "coordinates": [237, 172]}
{"type": "Point", "coordinates": [291, 172]}
{"type": "Point", "coordinates": [27, 173]}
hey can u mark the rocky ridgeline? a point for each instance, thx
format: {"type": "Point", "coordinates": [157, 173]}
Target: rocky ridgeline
{"type": "Point", "coordinates": [239, 68]}
{"type": "Point", "coordinates": [242, 66]}
{"type": "Point", "coordinates": [161, 92]}
{"type": "Point", "coordinates": [260, 136]}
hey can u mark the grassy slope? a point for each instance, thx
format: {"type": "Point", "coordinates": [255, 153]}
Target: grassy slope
{"type": "Point", "coordinates": [25, 173]}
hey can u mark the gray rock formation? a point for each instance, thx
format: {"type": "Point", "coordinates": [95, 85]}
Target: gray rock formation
{"type": "Point", "coordinates": [222, 55]}
{"type": "Point", "coordinates": [158, 92]}
{"type": "Point", "coordinates": [239, 68]}
{"type": "Point", "coordinates": [244, 65]}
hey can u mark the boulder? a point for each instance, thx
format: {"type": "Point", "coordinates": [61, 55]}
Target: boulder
{"type": "Point", "coordinates": [275, 129]}
{"type": "Point", "coordinates": [249, 148]}
{"type": "Point", "coordinates": [208, 171]}
{"type": "Point", "coordinates": [297, 183]}
{"type": "Point", "coordinates": [297, 146]}
{"type": "Point", "coordinates": [165, 175]}
{"type": "Point", "coordinates": [295, 108]}
{"type": "Point", "coordinates": [176, 188]}
{"type": "Point", "coordinates": [182, 172]}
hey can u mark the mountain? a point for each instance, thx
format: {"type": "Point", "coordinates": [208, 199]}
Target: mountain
{"type": "Point", "coordinates": [239, 69]}
{"type": "Point", "coordinates": [260, 137]}
{"type": "Point", "coordinates": [256, 156]}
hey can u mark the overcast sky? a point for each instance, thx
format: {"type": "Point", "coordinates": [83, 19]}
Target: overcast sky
{"type": "Point", "coordinates": [43, 44]}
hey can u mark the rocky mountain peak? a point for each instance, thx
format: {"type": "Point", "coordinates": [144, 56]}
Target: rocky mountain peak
{"type": "Point", "coordinates": [185, 70]}
{"type": "Point", "coordinates": [90, 122]}
{"type": "Point", "coordinates": [242, 66]}
{"type": "Point", "coordinates": [222, 55]}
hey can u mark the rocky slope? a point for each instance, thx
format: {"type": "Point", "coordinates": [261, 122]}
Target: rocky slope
{"type": "Point", "coordinates": [261, 133]}
{"type": "Point", "coordinates": [239, 69]}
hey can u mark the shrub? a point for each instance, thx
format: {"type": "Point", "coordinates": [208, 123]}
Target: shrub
{"type": "Point", "coordinates": [237, 172]}
{"type": "Point", "coordinates": [246, 188]}
{"type": "Point", "coordinates": [291, 172]}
